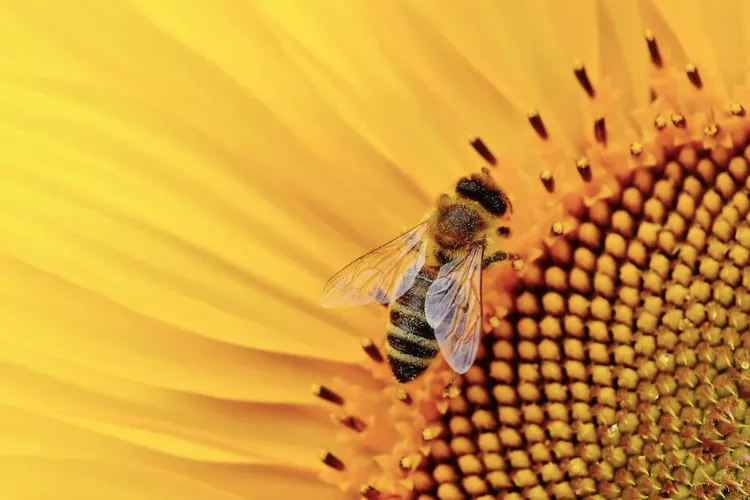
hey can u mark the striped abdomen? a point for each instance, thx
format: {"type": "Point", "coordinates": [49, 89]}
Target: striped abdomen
{"type": "Point", "coordinates": [411, 344]}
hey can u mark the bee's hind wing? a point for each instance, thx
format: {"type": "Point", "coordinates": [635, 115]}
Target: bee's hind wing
{"type": "Point", "coordinates": [453, 308]}
{"type": "Point", "coordinates": [382, 275]}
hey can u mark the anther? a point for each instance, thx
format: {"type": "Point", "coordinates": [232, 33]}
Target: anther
{"type": "Point", "coordinates": [331, 460]}
{"type": "Point", "coordinates": [536, 122]}
{"type": "Point", "coordinates": [369, 493]}
{"type": "Point", "coordinates": [547, 180]}
{"type": "Point", "coordinates": [711, 130]}
{"type": "Point", "coordinates": [652, 95]}
{"type": "Point", "coordinates": [653, 49]}
{"type": "Point", "coordinates": [481, 148]}
{"type": "Point", "coordinates": [736, 109]}
{"type": "Point", "coordinates": [503, 231]}
{"type": "Point", "coordinates": [557, 228]}
{"type": "Point", "coordinates": [352, 423]}
{"type": "Point", "coordinates": [518, 265]}
{"type": "Point", "coordinates": [583, 79]}
{"type": "Point", "coordinates": [584, 169]}
{"type": "Point", "coordinates": [403, 396]}
{"type": "Point", "coordinates": [326, 394]}
{"type": "Point", "coordinates": [693, 75]}
{"type": "Point", "coordinates": [636, 149]}
{"type": "Point", "coordinates": [406, 463]}
{"type": "Point", "coordinates": [600, 130]}
{"type": "Point", "coordinates": [372, 350]}
{"type": "Point", "coordinates": [660, 122]}
{"type": "Point", "coordinates": [678, 120]}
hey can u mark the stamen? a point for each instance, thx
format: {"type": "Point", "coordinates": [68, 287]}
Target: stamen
{"type": "Point", "coordinates": [557, 228]}
{"type": "Point", "coordinates": [331, 460]}
{"type": "Point", "coordinates": [518, 265]}
{"type": "Point", "coordinates": [406, 463]}
{"type": "Point", "coordinates": [678, 120]}
{"type": "Point", "coordinates": [481, 148]}
{"type": "Point", "coordinates": [693, 75]}
{"type": "Point", "coordinates": [711, 130]}
{"type": "Point", "coordinates": [536, 122]}
{"type": "Point", "coordinates": [652, 95]}
{"type": "Point", "coordinates": [600, 130]}
{"type": "Point", "coordinates": [584, 169]}
{"type": "Point", "coordinates": [403, 396]}
{"type": "Point", "coordinates": [583, 79]}
{"type": "Point", "coordinates": [653, 49]}
{"type": "Point", "coordinates": [660, 122]}
{"type": "Point", "coordinates": [636, 149]}
{"type": "Point", "coordinates": [369, 493]}
{"type": "Point", "coordinates": [736, 109]}
{"type": "Point", "coordinates": [326, 394]}
{"type": "Point", "coordinates": [547, 180]}
{"type": "Point", "coordinates": [352, 423]}
{"type": "Point", "coordinates": [372, 350]}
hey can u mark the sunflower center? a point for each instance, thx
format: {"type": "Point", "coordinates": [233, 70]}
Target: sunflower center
{"type": "Point", "coordinates": [623, 369]}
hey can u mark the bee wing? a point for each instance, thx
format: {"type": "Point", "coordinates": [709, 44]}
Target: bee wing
{"type": "Point", "coordinates": [453, 308]}
{"type": "Point", "coordinates": [382, 275]}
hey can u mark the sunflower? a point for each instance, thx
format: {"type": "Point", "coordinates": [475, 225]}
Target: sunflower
{"type": "Point", "coordinates": [178, 181]}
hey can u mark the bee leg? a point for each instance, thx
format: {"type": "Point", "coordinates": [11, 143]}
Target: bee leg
{"type": "Point", "coordinates": [495, 257]}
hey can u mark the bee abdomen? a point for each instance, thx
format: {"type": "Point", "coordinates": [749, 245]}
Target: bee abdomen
{"type": "Point", "coordinates": [411, 344]}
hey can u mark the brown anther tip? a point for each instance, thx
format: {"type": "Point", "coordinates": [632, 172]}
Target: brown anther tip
{"type": "Point", "coordinates": [537, 124]}
{"type": "Point", "coordinates": [331, 460]}
{"type": "Point", "coordinates": [352, 423]}
{"type": "Point", "coordinates": [600, 130]}
{"type": "Point", "coordinates": [372, 350]}
{"type": "Point", "coordinates": [736, 109]}
{"type": "Point", "coordinates": [711, 130]}
{"type": "Point", "coordinates": [636, 148]}
{"type": "Point", "coordinates": [693, 75]}
{"type": "Point", "coordinates": [653, 49]}
{"type": "Point", "coordinates": [660, 122]}
{"type": "Point", "coordinates": [369, 493]}
{"type": "Point", "coordinates": [678, 120]}
{"type": "Point", "coordinates": [583, 78]}
{"type": "Point", "coordinates": [584, 169]}
{"type": "Point", "coordinates": [481, 148]}
{"type": "Point", "coordinates": [557, 228]}
{"type": "Point", "coordinates": [326, 394]}
{"type": "Point", "coordinates": [403, 396]}
{"type": "Point", "coordinates": [406, 463]}
{"type": "Point", "coordinates": [547, 180]}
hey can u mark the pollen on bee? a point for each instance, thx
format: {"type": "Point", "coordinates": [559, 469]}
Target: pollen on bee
{"type": "Point", "coordinates": [584, 169]}
{"type": "Point", "coordinates": [537, 124]}
{"type": "Point", "coordinates": [583, 78]}
{"type": "Point", "coordinates": [636, 148]}
{"type": "Point", "coordinates": [693, 75]}
{"type": "Point", "coordinates": [653, 49]}
{"type": "Point", "coordinates": [481, 148]}
{"type": "Point", "coordinates": [600, 130]}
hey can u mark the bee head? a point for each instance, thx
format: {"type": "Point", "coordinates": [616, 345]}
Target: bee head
{"type": "Point", "coordinates": [455, 224]}
{"type": "Point", "coordinates": [481, 187]}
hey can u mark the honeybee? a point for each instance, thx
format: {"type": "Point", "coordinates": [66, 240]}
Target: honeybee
{"type": "Point", "coordinates": [431, 278]}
